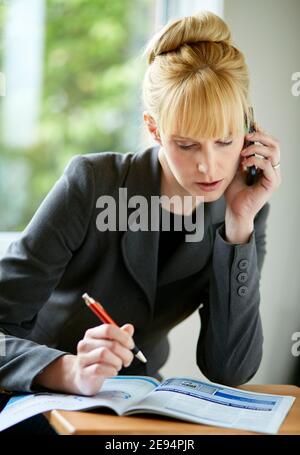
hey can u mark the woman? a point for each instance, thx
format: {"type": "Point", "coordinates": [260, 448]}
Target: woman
{"type": "Point", "coordinates": [196, 97]}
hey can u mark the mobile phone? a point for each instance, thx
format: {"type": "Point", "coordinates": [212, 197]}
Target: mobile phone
{"type": "Point", "coordinates": [252, 171]}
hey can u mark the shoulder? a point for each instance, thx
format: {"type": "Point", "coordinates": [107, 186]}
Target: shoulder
{"type": "Point", "coordinates": [101, 169]}
{"type": "Point", "coordinates": [110, 162]}
{"type": "Point", "coordinates": [110, 170]}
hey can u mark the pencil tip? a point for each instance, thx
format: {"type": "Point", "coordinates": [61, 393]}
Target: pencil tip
{"type": "Point", "coordinates": [141, 357]}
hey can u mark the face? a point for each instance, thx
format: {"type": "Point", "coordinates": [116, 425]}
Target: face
{"type": "Point", "coordinates": [188, 162]}
{"type": "Point", "coordinates": [195, 162]}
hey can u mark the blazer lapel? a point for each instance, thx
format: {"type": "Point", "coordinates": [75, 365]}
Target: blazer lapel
{"type": "Point", "coordinates": [140, 248]}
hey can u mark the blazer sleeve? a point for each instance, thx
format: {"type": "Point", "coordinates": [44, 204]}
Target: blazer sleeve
{"type": "Point", "coordinates": [31, 268]}
{"type": "Point", "coordinates": [229, 348]}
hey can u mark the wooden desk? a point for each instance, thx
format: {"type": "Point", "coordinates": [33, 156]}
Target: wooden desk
{"type": "Point", "coordinates": [80, 423]}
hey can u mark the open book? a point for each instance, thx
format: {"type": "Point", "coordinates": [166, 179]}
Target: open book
{"type": "Point", "coordinates": [183, 398]}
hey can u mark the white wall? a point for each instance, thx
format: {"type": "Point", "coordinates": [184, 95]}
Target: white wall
{"type": "Point", "coordinates": [268, 33]}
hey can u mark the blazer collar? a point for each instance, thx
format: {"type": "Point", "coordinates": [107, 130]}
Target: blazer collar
{"type": "Point", "coordinates": [140, 248]}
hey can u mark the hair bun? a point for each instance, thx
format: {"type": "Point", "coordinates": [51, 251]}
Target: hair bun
{"type": "Point", "coordinates": [202, 26]}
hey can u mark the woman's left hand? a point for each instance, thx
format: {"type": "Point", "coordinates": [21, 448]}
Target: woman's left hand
{"type": "Point", "coordinates": [244, 202]}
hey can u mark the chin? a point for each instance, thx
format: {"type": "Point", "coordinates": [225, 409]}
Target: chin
{"type": "Point", "coordinates": [213, 198]}
{"type": "Point", "coordinates": [208, 195]}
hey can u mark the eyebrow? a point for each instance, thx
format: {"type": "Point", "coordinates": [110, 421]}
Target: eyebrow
{"type": "Point", "coordinates": [190, 139]}
{"type": "Point", "coordinates": [180, 137]}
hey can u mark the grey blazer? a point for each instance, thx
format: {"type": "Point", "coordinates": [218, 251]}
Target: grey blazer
{"type": "Point", "coordinates": [61, 254]}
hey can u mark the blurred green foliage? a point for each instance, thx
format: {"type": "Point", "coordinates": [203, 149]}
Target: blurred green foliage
{"type": "Point", "coordinates": [91, 99]}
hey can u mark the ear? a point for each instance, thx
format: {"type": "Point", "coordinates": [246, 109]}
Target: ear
{"type": "Point", "coordinates": [152, 127]}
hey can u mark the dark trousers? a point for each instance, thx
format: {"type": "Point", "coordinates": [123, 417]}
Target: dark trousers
{"type": "Point", "coordinates": [36, 425]}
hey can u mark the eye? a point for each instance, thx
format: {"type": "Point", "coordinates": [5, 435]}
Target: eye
{"type": "Point", "coordinates": [186, 147]}
{"type": "Point", "coordinates": [191, 146]}
{"type": "Point", "coordinates": [224, 143]}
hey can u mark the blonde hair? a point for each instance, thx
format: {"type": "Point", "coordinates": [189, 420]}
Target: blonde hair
{"type": "Point", "coordinates": [197, 81]}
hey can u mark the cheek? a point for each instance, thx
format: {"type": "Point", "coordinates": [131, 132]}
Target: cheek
{"type": "Point", "coordinates": [179, 162]}
{"type": "Point", "coordinates": [233, 160]}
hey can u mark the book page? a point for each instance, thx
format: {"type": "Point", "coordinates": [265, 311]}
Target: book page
{"type": "Point", "coordinates": [117, 393]}
{"type": "Point", "coordinates": [122, 392]}
{"type": "Point", "coordinates": [215, 404]}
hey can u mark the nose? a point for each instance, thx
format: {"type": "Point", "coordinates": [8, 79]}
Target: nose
{"type": "Point", "coordinates": [202, 168]}
{"type": "Point", "coordinates": [206, 163]}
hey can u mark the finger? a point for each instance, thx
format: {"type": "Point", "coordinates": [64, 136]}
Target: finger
{"type": "Point", "coordinates": [261, 152]}
{"type": "Point", "coordinates": [129, 328]}
{"type": "Point", "coordinates": [256, 158]}
{"type": "Point", "coordinates": [260, 149]}
{"type": "Point", "coordinates": [269, 177]}
{"type": "Point", "coordinates": [110, 332]}
{"type": "Point", "coordinates": [259, 128]}
{"type": "Point", "coordinates": [264, 138]}
{"type": "Point", "coordinates": [100, 370]}
{"type": "Point", "coordinates": [101, 355]}
{"type": "Point", "coordinates": [88, 345]}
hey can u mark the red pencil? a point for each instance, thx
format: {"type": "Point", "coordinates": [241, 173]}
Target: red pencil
{"type": "Point", "coordinates": [99, 311]}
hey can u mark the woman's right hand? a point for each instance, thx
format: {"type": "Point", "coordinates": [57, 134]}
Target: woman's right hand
{"type": "Point", "coordinates": [102, 353]}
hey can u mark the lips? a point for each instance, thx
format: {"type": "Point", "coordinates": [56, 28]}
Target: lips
{"type": "Point", "coordinates": [209, 183]}
{"type": "Point", "coordinates": [209, 186]}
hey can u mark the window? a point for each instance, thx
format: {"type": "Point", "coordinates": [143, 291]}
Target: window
{"type": "Point", "coordinates": [72, 76]}
{"type": "Point", "coordinates": [70, 79]}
